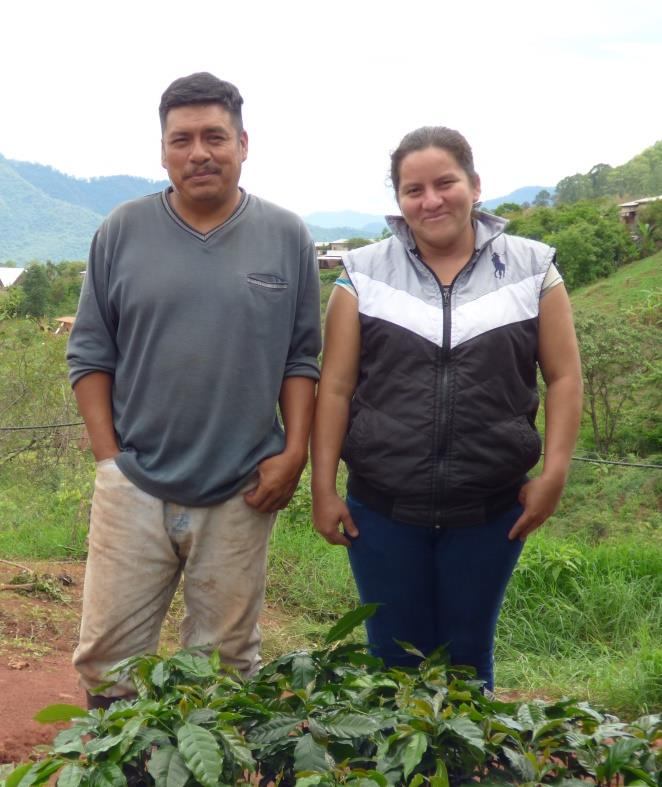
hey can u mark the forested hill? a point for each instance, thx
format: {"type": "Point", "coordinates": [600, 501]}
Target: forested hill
{"type": "Point", "coordinates": [100, 195]}
{"type": "Point", "coordinates": [639, 177]}
{"type": "Point", "coordinates": [34, 225]}
{"type": "Point", "coordinates": [46, 215]}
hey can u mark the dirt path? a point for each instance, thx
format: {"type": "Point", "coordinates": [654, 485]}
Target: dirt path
{"type": "Point", "coordinates": [37, 636]}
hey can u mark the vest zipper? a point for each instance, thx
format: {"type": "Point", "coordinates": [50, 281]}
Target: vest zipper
{"type": "Point", "coordinates": [442, 426]}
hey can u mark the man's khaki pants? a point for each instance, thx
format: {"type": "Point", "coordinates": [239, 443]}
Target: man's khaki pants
{"type": "Point", "coordinates": [138, 548]}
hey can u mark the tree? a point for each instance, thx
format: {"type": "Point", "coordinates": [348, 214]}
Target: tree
{"type": "Point", "coordinates": [590, 239]}
{"type": "Point", "coordinates": [599, 175]}
{"type": "Point", "coordinates": [36, 290]}
{"type": "Point", "coordinates": [573, 188]}
{"type": "Point", "coordinates": [651, 214]}
{"type": "Point", "coordinates": [356, 243]}
{"type": "Point", "coordinates": [614, 364]}
{"type": "Point", "coordinates": [507, 208]}
{"type": "Point", "coordinates": [542, 199]}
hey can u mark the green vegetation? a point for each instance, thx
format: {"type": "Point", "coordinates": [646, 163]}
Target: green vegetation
{"type": "Point", "coordinates": [583, 614]}
{"type": "Point", "coordinates": [589, 237]}
{"type": "Point", "coordinates": [639, 177]}
{"type": "Point", "coordinates": [44, 291]}
{"type": "Point", "coordinates": [335, 716]}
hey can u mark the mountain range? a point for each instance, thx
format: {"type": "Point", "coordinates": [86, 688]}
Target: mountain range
{"type": "Point", "coordinates": [47, 215]}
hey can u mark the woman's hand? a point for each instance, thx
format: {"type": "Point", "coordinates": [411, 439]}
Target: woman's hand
{"type": "Point", "coordinates": [539, 497]}
{"type": "Point", "coordinates": [329, 512]}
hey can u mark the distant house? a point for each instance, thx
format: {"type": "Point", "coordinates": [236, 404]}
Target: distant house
{"type": "Point", "coordinates": [328, 255]}
{"type": "Point", "coordinates": [64, 324]}
{"type": "Point", "coordinates": [628, 210]}
{"type": "Point", "coordinates": [339, 245]}
{"type": "Point", "coordinates": [9, 276]}
{"type": "Point", "coordinates": [329, 260]}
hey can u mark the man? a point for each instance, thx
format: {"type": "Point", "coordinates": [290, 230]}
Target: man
{"type": "Point", "coordinates": [199, 313]}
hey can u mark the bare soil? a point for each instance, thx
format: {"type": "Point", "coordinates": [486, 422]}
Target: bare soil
{"type": "Point", "coordinates": [37, 636]}
{"type": "Point", "coordinates": [38, 633]}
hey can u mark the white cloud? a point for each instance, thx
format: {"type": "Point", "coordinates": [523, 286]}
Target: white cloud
{"type": "Point", "coordinates": [540, 91]}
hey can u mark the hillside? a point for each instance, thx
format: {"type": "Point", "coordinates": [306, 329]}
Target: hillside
{"type": "Point", "coordinates": [100, 195]}
{"type": "Point", "coordinates": [34, 225]}
{"type": "Point", "coordinates": [641, 176]}
{"type": "Point", "coordinates": [630, 286]}
{"type": "Point", "coordinates": [46, 215]}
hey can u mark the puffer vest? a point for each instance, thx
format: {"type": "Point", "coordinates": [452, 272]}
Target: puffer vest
{"type": "Point", "coordinates": [442, 423]}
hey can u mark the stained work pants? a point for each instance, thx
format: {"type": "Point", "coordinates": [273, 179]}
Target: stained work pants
{"type": "Point", "coordinates": [139, 547]}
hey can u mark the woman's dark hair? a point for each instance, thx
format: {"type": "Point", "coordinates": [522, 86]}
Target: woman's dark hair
{"type": "Point", "coordinates": [202, 88]}
{"type": "Point", "coordinates": [433, 137]}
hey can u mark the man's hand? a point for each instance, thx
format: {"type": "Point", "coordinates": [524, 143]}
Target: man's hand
{"type": "Point", "coordinates": [278, 477]}
{"type": "Point", "coordinates": [329, 512]}
{"type": "Point", "coordinates": [539, 498]}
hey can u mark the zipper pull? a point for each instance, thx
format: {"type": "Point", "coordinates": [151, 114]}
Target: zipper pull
{"type": "Point", "coordinates": [446, 294]}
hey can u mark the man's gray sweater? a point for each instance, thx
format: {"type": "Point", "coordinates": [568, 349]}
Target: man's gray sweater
{"type": "Point", "coordinates": [198, 332]}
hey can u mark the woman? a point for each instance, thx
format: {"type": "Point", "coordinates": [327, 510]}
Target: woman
{"type": "Point", "coordinates": [428, 392]}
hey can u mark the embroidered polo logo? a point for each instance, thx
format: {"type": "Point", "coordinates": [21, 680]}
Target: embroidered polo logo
{"type": "Point", "coordinates": [499, 266]}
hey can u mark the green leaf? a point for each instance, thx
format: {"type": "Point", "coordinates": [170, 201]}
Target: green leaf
{"type": "Point", "coordinates": [409, 648]}
{"type": "Point", "coordinates": [107, 774]}
{"type": "Point", "coordinates": [167, 768]}
{"type": "Point", "coordinates": [160, 674]}
{"type": "Point", "coordinates": [521, 764]}
{"type": "Point", "coordinates": [350, 725]}
{"type": "Point", "coordinates": [349, 622]}
{"type": "Point", "coordinates": [277, 727]}
{"type": "Point", "coordinates": [618, 756]}
{"type": "Point", "coordinates": [14, 778]}
{"type": "Point", "coordinates": [362, 778]}
{"type": "Point", "coordinates": [236, 749]}
{"type": "Point", "coordinates": [193, 665]}
{"type": "Point", "coordinates": [548, 726]}
{"type": "Point", "coordinates": [440, 777]}
{"type": "Point", "coordinates": [99, 745]}
{"type": "Point", "coordinates": [69, 741]}
{"type": "Point", "coordinates": [642, 776]}
{"type": "Point", "coordinates": [530, 715]}
{"type": "Point", "coordinates": [71, 776]}
{"type": "Point", "coordinates": [310, 756]}
{"type": "Point", "coordinates": [201, 753]}
{"type": "Point", "coordinates": [414, 751]}
{"type": "Point", "coordinates": [54, 713]}
{"type": "Point", "coordinates": [303, 671]}
{"type": "Point", "coordinates": [39, 773]}
{"type": "Point", "coordinates": [467, 730]}
{"type": "Point", "coordinates": [417, 780]}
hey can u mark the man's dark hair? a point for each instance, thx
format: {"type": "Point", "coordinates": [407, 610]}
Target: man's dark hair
{"type": "Point", "coordinates": [202, 88]}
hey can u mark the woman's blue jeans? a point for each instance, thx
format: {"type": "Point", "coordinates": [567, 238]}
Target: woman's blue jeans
{"type": "Point", "coordinates": [436, 587]}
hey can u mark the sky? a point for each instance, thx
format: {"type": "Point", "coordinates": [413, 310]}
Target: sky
{"type": "Point", "coordinates": [540, 90]}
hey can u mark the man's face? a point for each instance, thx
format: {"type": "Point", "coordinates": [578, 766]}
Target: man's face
{"type": "Point", "coordinates": [203, 152]}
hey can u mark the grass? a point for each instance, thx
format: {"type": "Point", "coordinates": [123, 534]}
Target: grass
{"type": "Point", "coordinates": [628, 288]}
{"type": "Point", "coordinates": [583, 614]}
{"type": "Point", "coordinates": [585, 619]}
{"type": "Point", "coordinates": [44, 511]}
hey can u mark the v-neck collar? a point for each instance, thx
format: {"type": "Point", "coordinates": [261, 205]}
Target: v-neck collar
{"type": "Point", "coordinates": [202, 236]}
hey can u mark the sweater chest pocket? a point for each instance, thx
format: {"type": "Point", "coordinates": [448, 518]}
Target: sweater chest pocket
{"type": "Point", "coordinates": [267, 281]}
{"type": "Point", "coordinates": [266, 310]}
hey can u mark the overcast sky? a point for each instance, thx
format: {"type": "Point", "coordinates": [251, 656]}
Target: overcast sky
{"type": "Point", "coordinates": [540, 90]}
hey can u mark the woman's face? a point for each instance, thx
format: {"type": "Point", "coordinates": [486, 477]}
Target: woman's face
{"type": "Point", "coordinates": [436, 197]}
